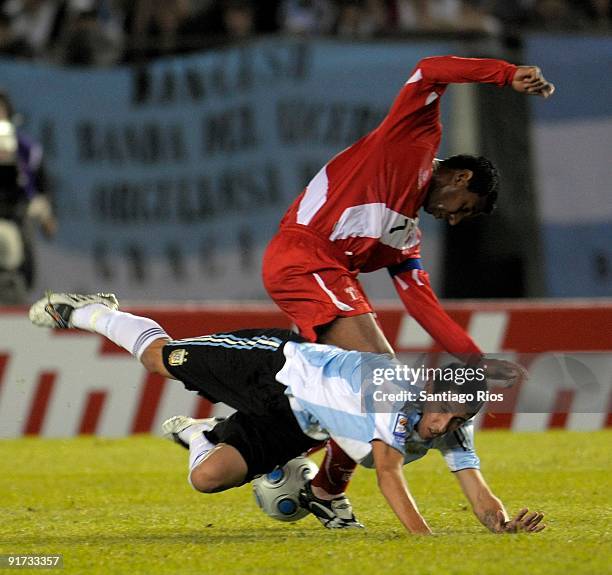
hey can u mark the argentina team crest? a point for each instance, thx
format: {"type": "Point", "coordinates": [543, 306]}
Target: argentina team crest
{"type": "Point", "coordinates": [400, 427]}
{"type": "Point", "coordinates": [177, 357]}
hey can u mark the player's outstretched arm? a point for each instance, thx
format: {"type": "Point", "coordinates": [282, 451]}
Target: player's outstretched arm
{"type": "Point", "coordinates": [414, 290]}
{"type": "Point", "coordinates": [391, 482]}
{"type": "Point", "coordinates": [490, 510]}
{"type": "Point", "coordinates": [442, 70]}
{"type": "Point", "coordinates": [452, 69]}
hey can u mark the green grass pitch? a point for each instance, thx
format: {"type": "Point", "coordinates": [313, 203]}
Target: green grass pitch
{"type": "Point", "coordinates": [124, 506]}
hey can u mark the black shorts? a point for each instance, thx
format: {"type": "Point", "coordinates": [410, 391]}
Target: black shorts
{"type": "Point", "coordinates": [239, 369]}
{"type": "Point", "coordinates": [264, 442]}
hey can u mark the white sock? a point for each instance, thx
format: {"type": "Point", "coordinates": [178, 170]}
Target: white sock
{"type": "Point", "coordinates": [128, 331]}
{"type": "Point", "coordinates": [199, 447]}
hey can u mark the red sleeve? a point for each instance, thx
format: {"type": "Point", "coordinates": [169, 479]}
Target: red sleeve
{"type": "Point", "coordinates": [419, 99]}
{"type": "Point", "coordinates": [418, 297]}
{"type": "Point", "coordinates": [454, 70]}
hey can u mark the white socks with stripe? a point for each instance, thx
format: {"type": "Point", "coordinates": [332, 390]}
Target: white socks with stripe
{"type": "Point", "coordinates": [128, 331]}
{"type": "Point", "coordinates": [199, 446]}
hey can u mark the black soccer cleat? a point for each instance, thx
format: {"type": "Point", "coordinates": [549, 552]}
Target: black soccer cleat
{"type": "Point", "coordinates": [336, 513]}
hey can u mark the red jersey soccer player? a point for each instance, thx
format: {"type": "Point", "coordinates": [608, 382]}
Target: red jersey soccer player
{"type": "Point", "coordinates": [360, 214]}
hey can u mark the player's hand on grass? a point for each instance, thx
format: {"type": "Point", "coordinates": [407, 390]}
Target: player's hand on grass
{"type": "Point", "coordinates": [508, 373]}
{"type": "Point", "coordinates": [529, 80]}
{"type": "Point", "coordinates": [522, 521]}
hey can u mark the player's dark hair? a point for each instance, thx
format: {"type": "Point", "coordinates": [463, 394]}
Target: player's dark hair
{"type": "Point", "coordinates": [458, 383]}
{"type": "Point", "coordinates": [485, 178]}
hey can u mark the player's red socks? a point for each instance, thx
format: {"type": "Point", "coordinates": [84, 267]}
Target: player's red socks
{"type": "Point", "coordinates": [336, 470]}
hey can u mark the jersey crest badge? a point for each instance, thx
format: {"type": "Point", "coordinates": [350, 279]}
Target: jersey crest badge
{"type": "Point", "coordinates": [177, 357]}
{"type": "Point", "coordinates": [400, 427]}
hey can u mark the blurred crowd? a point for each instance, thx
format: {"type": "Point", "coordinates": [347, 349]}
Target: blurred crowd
{"type": "Point", "coordinates": [106, 32]}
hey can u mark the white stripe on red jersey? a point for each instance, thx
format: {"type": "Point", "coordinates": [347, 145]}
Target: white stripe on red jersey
{"type": "Point", "coordinates": [361, 196]}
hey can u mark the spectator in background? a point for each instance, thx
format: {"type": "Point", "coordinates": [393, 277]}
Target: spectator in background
{"type": "Point", "coordinates": [153, 27]}
{"type": "Point", "coordinates": [93, 33]}
{"type": "Point", "coordinates": [596, 14]}
{"type": "Point", "coordinates": [238, 20]}
{"type": "Point", "coordinates": [361, 18]}
{"type": "Point", "coordinates": [35, 25]}
{"type": "Point", "coordinates": [199, 28]}
{"type": "Point", "coordinates": [553, 15]}
{"type": "Point", "coordinates": [219, 23]}
{"type": "Point", "coordinates": [307, 17]}
{"type": "Point", "coordinates": [511, 16]}
{"type": "Point", "coordinates": [444, 16]}
{"type": "Point", "coordinates": [8, 44]}
{"type": "Point", "coordinates": [23, 200]}
{"type": "Point", "coordinates": [6, 35]}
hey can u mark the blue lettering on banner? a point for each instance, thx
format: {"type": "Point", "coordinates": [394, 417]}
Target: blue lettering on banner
{"type": "Point", "coordinates": [187, 165]}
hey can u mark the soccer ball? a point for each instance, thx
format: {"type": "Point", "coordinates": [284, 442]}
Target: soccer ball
{"type": "Point", "coordinates": [277, 492]}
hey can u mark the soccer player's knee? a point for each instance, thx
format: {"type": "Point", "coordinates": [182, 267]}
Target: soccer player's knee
{"type": "Point", "coordinates": [205, 480]}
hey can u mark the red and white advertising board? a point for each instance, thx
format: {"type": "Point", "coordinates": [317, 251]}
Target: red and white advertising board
{"type": "Point", "coordinates": [65, 383]}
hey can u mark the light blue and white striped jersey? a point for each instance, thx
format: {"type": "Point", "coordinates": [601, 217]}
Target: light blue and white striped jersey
{"type": "Point", "coordinates": [325, 386]}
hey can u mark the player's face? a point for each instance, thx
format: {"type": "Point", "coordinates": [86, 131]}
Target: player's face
{"type": "Point", "coordinates": [433, 424]}
{"type": "Point", "coordinates": [450, 199]}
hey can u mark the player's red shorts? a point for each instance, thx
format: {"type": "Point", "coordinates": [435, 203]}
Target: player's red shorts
{"type": "Point", "coordinates": [309, 279]}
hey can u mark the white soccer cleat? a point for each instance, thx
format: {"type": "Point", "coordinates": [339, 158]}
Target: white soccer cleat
{"type": "Point", "coordinates": [175, 426]}
{"type": "Point", "coordinates": [54, 310]}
